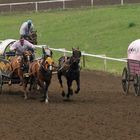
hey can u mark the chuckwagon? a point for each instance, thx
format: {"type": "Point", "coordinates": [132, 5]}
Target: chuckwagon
{"type": "Point", "coordinates": [131, 73]}
{"type": "Point", "coordinates": [5, 72]}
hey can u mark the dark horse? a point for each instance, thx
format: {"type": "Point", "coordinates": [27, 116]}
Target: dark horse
{"type": "Point", "coordinates": [32, 38]}
{"type": "Point", "coordinates": [41, 72]}
{"type": "Point", "coordinates": [69, 67]}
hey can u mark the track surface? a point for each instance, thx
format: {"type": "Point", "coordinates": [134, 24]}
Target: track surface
{"type": "Point", "coordinates": [99, 112]}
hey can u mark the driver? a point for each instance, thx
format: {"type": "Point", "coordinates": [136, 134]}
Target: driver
{"type": "Point", "coordinates": [21, 45]}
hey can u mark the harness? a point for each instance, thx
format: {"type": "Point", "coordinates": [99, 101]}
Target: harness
{"type": "Point", "coordinates": [67, 64]}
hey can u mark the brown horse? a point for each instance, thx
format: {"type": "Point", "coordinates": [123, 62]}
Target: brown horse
{"type": "Point", "coordinates": [41, 72]}
{"type": "Point", "coordinates": [33, 37]}
{"type": "Point", "coordinates": [69, 67]}
{"type": "Point", "coordinates": [15, 63]}
{"type": "Point", "coordinates": [19, 68]}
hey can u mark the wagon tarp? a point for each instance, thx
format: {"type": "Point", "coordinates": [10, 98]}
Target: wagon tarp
{"type": "Point", "coordinates": [133, 51]}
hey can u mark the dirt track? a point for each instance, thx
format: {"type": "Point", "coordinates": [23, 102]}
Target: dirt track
{"type": "Point", "coordinates": [99, 112]}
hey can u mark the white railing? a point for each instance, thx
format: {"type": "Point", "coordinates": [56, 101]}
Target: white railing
{"type": "Point", "coordinates": [36, 6]}
{"type": "Point", "coordinates": [86, 54]}
{"type": "Point", "coordinates": [5, 43]}
{"type": "Point", "coordinates": [103, 56]}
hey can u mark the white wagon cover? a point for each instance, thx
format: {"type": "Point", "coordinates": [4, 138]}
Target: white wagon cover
{"type": "Point", "coordinates": [133, 51]}
{"type": "Point", "coordinates": [4, 44]}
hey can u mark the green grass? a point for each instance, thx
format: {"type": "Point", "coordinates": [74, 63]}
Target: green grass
{"type": "Point", "coordinates": [106, 30]}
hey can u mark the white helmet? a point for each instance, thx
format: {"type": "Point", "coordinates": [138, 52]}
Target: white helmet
{"type": "Point", "coordinates": [29, 22]}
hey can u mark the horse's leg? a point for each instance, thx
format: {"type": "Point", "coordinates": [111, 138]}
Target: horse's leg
{"type": "Point", "coordinates": [61, 85]}
{"type": "Point", "coordinates": [69, 84]}
{"type": "Point", "coordinates": [41, 84]}
{"type": "Point", "coordinates": [46, 93]}
{"type": "Point", "coordinates": [78, 85]}
{"type": "Point", "coordinates": [25, 82]}
{"type": "Point", "coordinates": [31, 82]}
{"type": "Point", "coordinates": [20, 74]}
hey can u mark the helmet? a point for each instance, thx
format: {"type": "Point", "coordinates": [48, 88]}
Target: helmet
{"type": "Point", "coordinates": [29, 22]}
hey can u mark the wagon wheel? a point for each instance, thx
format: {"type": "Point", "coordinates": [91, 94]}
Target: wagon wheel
{"type": "Point", "coordinates": [125, 80]}
{"type": "Point", "coordinates": [137, 85]}
{"type": "Point", "coordinates": [1, 82]}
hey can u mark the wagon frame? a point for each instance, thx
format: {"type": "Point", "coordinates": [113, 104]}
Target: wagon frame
{"type": "Point", "coordinates": [131, 74]}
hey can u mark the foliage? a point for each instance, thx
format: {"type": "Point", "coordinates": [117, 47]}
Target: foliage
{"type": "Point", "coordinates": [131, 24]}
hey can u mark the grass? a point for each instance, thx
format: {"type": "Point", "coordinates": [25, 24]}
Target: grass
{"type": "Point", "coordinates": [106, 30]}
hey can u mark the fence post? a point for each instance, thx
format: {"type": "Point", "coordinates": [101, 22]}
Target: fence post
{"type": "Point", "coordinates": [64, 4]}
{"type": "Point", "coordinates": [122, 2]}
{"type": "Point", "coordinates": [84, 62]}
{"type": "Point", "coordinates": [10, 7]}
{"type": "Point", "coordinates": [105, 63]}
{"type": "Point", "coordinates": [36, 7]}
{"type": "Point", "coordinates": [91, 3]}
{"type": "Point", "coordinates": [64, 52]}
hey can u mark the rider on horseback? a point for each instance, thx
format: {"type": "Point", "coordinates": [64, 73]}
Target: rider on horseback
{"type": "Point", "coordinates": [26, 29]}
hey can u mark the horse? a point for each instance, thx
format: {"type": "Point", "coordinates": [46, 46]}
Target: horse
{"type": "Point", "coordinates": [32, 38]}
{"type": "Point", "coordinates": [41, 72]}
{"type": "Point", "coordinates": [19, 68]}
{"type": "Point", "coordinates": [70, 69]}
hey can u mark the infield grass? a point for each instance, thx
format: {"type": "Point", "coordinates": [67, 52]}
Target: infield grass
{"type": "Point", "coordinates": [98, 30]}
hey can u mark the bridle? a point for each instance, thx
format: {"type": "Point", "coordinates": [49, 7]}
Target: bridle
{"type": "Point", "coordinates": [74, 59]}
{"type": "Point", "coordinates": [46, 66]}
{"type": "Point", "coordinates": [27, 56]}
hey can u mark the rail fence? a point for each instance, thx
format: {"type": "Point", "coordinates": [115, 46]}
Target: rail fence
{"type": "Point", "coordinates": [59, 4]}
{"type": "Point", "coordinates": [84, 54]}
{"type": "Point", "coordinates": [4, 44]}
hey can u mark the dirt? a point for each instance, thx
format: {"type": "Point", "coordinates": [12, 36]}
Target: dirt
{"type": "Point", "coordinates": [99, 112]}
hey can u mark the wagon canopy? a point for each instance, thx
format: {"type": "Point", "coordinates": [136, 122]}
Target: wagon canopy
{"type": "Point", "coordinates": [133, 51]}
{"type": "Point", "coordinates": [4, 44]}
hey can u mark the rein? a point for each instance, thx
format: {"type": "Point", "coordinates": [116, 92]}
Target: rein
{"type": "Point", "coordinates": [68, 65]}
{"type": "Point", "coordinates": [42, 67]}
{"type": "Point", "coordinates": [63, 66]}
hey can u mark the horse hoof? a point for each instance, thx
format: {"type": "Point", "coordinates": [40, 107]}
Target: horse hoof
{"type": "Point", "coordinates": [68, 95]}
{"type": "Point", "coordinates": [46, 101]}
{"type": "Point", "coordinates": [71, 92]}
{"type": "Point", "coordinates": [63, 94]}
{"type": "Point", "coordinates": [38, 87]}
{"type": "Point", "coordinates": [20, 83]}
{"type": "Point", "coordinates": [25, 98]}
{"type": "Point", "coordinates": [9, 83]}
{"type": "Point", "coordinates": [77, 91]}
{"type": "Point", "coordinates": [29, 89]}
